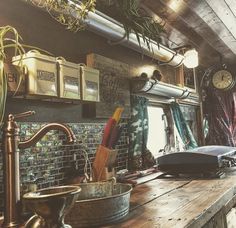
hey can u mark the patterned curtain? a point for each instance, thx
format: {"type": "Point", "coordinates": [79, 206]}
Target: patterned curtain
{"type": "Point", "coordinates": [139, 156]}
{"type": "Point", "coordinates": [220, 108]}
{"type": "Point", "coordinates": [182, 127]}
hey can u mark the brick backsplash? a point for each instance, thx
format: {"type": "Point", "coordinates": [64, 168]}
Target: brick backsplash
{"type": "Point", "coordinates": [50, 162]}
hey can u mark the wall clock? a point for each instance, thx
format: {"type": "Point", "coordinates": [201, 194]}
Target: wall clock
{"type": "Point", "coordinates": [223, 80]}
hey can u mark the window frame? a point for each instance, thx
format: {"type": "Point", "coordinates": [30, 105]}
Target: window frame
{"type": "Point", "coordinates": [170, 127]}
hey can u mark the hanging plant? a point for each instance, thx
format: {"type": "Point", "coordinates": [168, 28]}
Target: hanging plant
{"type": "Point", "coordinates": [10, 40]}
{"type": "Point", "coordinates": [61, 11]}
{"type": "Point", "coordinates": [134, 19]}
{"type": "Point", "coordinates": [128, 12]}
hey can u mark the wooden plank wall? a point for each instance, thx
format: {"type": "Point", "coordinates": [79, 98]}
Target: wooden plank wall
{"type": "Point", "coordinates": [114, 87]}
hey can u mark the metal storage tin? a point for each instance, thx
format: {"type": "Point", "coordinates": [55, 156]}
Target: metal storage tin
{"type": "Point", "coordinates": [15, 79]}
{"type": "Point", "coordinates": [90, 83]}
{"type": "Point", "coordinates": [100, 203]}
{"type": "Point", "coordinates": [42, 73]}
{"type": "Point", "coordinates": [69, 79]}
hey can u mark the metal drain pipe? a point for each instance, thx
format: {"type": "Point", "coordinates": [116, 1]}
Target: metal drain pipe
{"type": "Point", "coordinates": [158, 88]}
{"type": "Point", "coordinates": [112, 30]}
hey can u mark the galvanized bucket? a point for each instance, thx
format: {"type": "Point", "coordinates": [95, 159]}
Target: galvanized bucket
{"type": "Point", "coordinates": [99, 203]}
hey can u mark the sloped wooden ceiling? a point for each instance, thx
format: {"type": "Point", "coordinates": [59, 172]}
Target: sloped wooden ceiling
{"type": "Point", "coordinates": [207, 25]}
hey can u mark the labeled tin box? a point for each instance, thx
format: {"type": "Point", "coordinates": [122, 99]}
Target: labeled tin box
{"type": "Point", "coordinates": [41, 75]}
{"type": "Point", "coordinates": [15, 79]}
{"type": "Point", "coordinates": [90, 83]}
{"type": "Point", "coordinates": [69, 79]}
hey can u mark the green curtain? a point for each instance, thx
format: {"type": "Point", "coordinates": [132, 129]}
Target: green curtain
{"type": "Point", "coordinates": [138, 131]}
{"type": "Point", "coordinates": [182, 127]}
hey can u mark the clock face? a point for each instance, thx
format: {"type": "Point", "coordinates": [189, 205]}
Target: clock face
{"type": "Point", "coordinates": [223, 79]}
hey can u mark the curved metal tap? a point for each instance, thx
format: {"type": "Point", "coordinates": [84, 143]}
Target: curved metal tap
{"type": "Point", "coordinates": [10, 148]}
{"type": "Point", "coordinates": [44, 130]}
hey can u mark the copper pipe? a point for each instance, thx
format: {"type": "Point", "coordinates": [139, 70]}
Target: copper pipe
{"type": "Point", "coordinates": [11, 171]}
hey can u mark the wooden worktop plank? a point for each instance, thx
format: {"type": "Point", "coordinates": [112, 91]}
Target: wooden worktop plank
{"type": "Point", "coordinates": [201, 208]}
{"type": "Point", "coordinates": [149, 191]}
{"type": "Point", "coordinates": [149, 214]}
{"type": "Point", "coordinates": [190, 205]}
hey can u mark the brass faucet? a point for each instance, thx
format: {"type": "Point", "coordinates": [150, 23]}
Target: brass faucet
{"type": "Point", "coordinates": [11, 171]}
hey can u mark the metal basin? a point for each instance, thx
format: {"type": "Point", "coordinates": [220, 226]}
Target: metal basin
{"type": "Point", "coordinates": [51, 205]}
{"type": "Point", "coordinates": [100, 203]}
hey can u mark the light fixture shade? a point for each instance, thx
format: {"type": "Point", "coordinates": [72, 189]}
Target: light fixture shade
{"type": "Point", "coordinates": [191, 58]}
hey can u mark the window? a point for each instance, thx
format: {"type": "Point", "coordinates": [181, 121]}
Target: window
{"type": "Point", "coordinates": [157, 138]}
{"type": "Point", "coordinates": [190, 115]}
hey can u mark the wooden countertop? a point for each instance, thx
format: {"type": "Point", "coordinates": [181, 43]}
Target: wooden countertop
{"type": "Point", "coordinates": [179, 202]}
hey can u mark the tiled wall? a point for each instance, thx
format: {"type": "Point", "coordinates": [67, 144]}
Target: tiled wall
{"type": "Point", "coordinates": [50, 162]}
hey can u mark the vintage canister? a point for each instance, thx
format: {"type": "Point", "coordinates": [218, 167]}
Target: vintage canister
{"type": "Point", "coordinates": [41, 73]}
{"type": "Point", "coordinates": [90, 83]}
{"type": "Point", "coordinates": [69, 79]}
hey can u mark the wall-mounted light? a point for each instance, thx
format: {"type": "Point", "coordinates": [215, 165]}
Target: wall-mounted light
{"type": "Point", "coordinates": [191, 58]}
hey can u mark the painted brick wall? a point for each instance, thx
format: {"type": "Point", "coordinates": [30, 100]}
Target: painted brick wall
{"type": "Point", "coordinates": [50, 163]}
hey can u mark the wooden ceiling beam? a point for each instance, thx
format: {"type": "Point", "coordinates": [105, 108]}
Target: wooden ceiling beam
{"type": "Point", "coordinates": [232, 5]}
{"type": "Point", "coordinates": [172, 37]}
{"type": "Point", "coordinates": [202, 19]}
{"type": "Point", "coordinates": [223, 23]}
{"type": "Point", "coordinates": [191, 17]}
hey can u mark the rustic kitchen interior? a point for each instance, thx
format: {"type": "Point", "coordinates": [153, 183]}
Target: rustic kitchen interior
{"type": "Point", "coordinates": [117, 113]}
